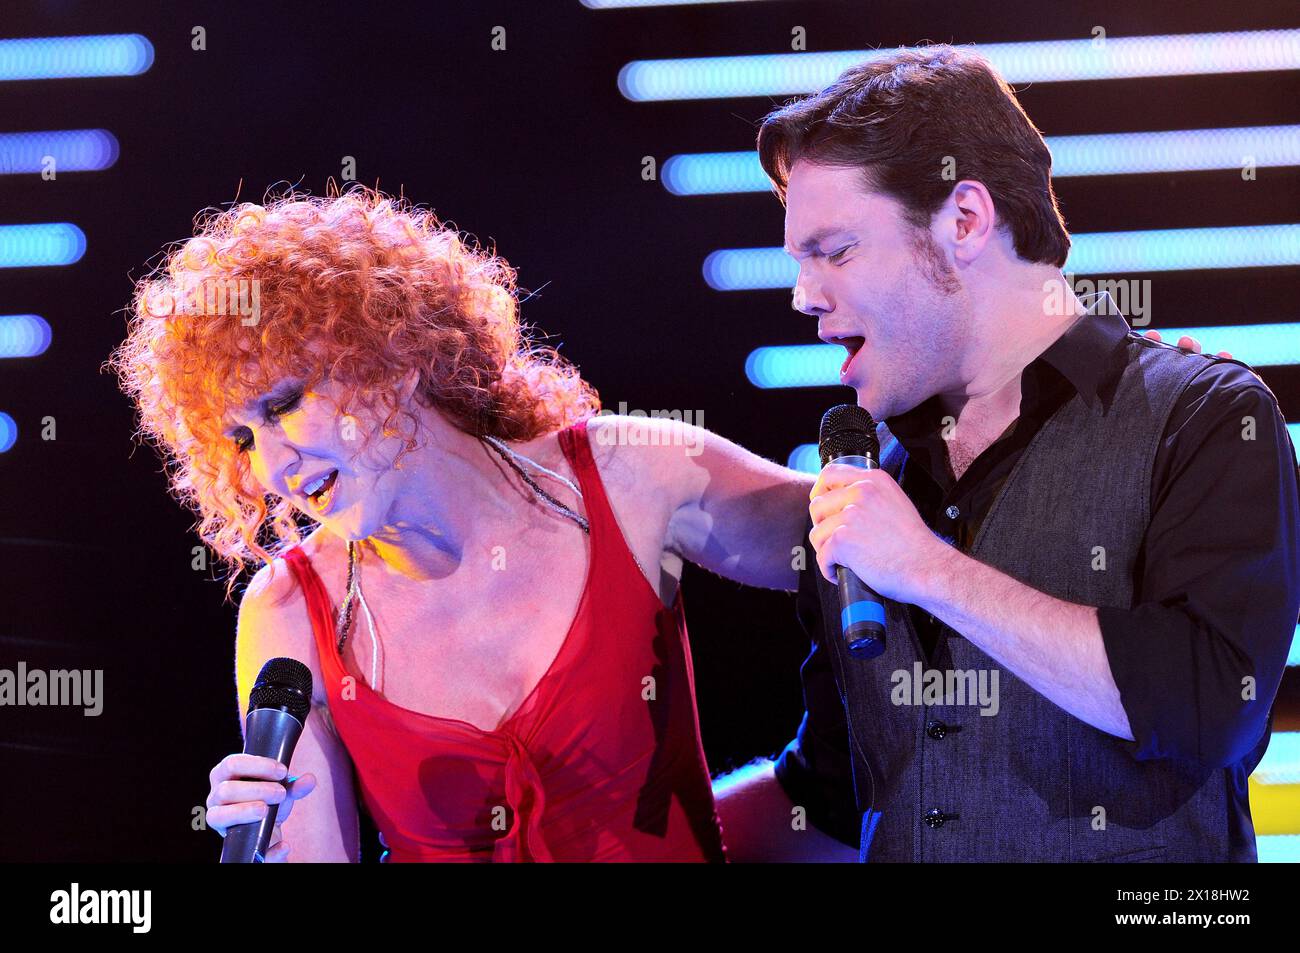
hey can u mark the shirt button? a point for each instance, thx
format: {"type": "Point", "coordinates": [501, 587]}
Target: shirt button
{"type": "Point", "coordinates": [952, 512]}
{"type": "Point", "coordinates": [935, 818]}
{"type": "Point", "coordinates": [936, 730]}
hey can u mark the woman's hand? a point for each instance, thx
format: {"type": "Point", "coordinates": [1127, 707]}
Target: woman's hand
{"type": "Point", "coordinates": [1186, 342]}
{"type": "Point", "coordinates": [238, 796]}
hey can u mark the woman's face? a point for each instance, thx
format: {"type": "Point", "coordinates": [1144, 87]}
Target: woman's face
{"type": "Point", "coordinates": [302, 446]}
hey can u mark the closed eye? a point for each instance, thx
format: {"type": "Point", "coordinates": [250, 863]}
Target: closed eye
{"type": "Point", "coordinates": [835, 256]}
{"type": "Point", "coordinates": [272, 411]}
{"type": "Point", "coordinates": [284, 407]}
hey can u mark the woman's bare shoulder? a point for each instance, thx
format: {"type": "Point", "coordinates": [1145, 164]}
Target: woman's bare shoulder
{"type": "Point", "coordinates": [639, 453]}
{"type": "Point", "coordinates": [274, 622]}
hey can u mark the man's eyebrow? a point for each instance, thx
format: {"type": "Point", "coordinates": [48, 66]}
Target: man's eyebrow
{"type": "Point", "coordinates": [819, 236]}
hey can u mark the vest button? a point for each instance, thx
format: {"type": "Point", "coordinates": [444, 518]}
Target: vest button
{"type": "Point", "coordinates": [936, 730]}
{"type": "Point", "coordinates": [935, 818]}
{"type": "Point", "coordinates": [952, 512]}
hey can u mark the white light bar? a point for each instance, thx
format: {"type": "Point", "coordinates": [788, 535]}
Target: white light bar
{"type": "Point", "coordinates": [818, 365]}
{"type": "Point", "coordinates": [1091, 253]}
{"type": "Point", "coordinates": [1122, 153]}
{"type": "Point", "coordinates": [1041, 61]}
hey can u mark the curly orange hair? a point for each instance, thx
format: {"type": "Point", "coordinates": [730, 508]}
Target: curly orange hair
{"type": "Point", "coordinates": [358, 286]}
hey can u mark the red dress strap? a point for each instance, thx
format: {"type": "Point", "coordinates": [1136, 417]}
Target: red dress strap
{"type": "Point", "coordinates": [606, 535]}
{"type": "Point", "coordinates": [320, 608]}
{"type": "Point", "coordinates": [575, 441]}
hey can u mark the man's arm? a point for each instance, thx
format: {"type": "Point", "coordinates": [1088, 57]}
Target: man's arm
{"type": "Point", "coordinates": [1053, 646]}
{"type": "Point", "coordinates": [1199, 658]}
{"type": "Point", "coordinates": [865, 521]}
{"type": "Point", "coordinates": [730, 511]}
{"type": "Point", "coordinates": [1218, 600]}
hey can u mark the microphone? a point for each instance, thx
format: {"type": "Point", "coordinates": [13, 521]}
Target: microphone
{"type": "Point", "coordinates": [848, 435]}
{"type": "Point", "coordinates": [277, 708]}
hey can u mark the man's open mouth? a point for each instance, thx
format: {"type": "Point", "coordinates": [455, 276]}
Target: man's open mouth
{"type": "Point", "coordinates": [852, 344]}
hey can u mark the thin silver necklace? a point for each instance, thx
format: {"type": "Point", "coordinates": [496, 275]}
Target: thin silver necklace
{"type": "Point", "coordinates": [520, 464]}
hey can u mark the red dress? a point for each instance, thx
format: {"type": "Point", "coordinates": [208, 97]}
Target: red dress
{"type": "Point", "coordinates": [589, 768]}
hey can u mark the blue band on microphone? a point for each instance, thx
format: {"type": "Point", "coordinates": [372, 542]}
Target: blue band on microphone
{"type": "Point", "coordinates": [862, 611]}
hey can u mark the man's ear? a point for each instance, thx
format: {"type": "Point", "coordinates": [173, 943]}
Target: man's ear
{"type": "Point", "coordinates": [973, 218]}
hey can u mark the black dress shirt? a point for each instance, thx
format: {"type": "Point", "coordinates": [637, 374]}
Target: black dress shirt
{"type": "Point", "coordinates": [1216, 588]}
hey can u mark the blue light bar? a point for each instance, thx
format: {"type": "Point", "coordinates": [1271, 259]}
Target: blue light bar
{"type": "Point", "coordinates": [818, 365]}
{"type": "Point", "coordinates": [805, 458]}
{"type": "Point", "coordinates": [1278, 848]}
{"type": "Point", "coordinates": [73, 150]}
{"type": "Point", "coordinates": [1179, 249]}
{"type": "Point", "coordinates": [34, 246]}
{"type": "Point", "coordinates": [23, 335]}
{"type": "Point", "coordinates": [749, 269]}
{"type": "Point", "coordinates": [8, 431]}
{"type": "Point", "coordinates": [1124, 153]}
{"type": "Point", "coordinates": [1259, 345]}
{"type": "Point", "coordinates": [70, 57]}
{"type": "Point", "coordinates": [795, 365]}
{"type": "Point", "coordinates": [1044, 61]}
{"type": "Point", "coordinates": [1178, 150]}
{"type": "Point", "coordinates": [1091, 253]}
{"type": "Point", "coordinates": [1293, 657]}
{"type": "Point", "coordinates": [714, 173]}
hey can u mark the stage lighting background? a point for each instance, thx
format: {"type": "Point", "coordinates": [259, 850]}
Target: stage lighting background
{"type": "Point", "coordinates": [538, 150]}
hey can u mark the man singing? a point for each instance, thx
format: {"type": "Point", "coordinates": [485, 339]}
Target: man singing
{"type": "Point", "coordinates": [1086, 541]}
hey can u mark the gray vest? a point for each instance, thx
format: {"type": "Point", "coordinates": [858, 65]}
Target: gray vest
{"type": "Point", "coordinates": [939, 781]}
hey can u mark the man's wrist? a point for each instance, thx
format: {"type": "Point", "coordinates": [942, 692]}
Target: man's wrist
{"type": "Point", "coordinates": [940, 570]}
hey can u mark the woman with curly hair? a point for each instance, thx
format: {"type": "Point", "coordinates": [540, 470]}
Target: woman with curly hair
{"type": "Point", "coordinates": [488, 599]}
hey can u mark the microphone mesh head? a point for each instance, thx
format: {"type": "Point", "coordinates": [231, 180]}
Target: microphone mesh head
{"type": "Point", "coordinates": [283, 683]}
{"type": "Point", "coordinates": [848, 430]}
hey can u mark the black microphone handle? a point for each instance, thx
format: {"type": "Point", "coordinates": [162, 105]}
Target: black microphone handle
{"type": "Point", "coordinates": [862, 611]}
{"type": "Point", "coordinates": [269, 733]}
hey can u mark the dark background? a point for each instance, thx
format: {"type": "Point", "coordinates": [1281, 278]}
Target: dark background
{"type": "Point", "coordinates": [533, 149]}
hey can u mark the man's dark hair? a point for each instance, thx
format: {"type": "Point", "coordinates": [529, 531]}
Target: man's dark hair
{"type": "Point", "coordinates": [900, 117]}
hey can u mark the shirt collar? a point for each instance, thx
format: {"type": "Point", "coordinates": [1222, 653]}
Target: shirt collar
{"type": "Point", "coordinates": [1083, 355]}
